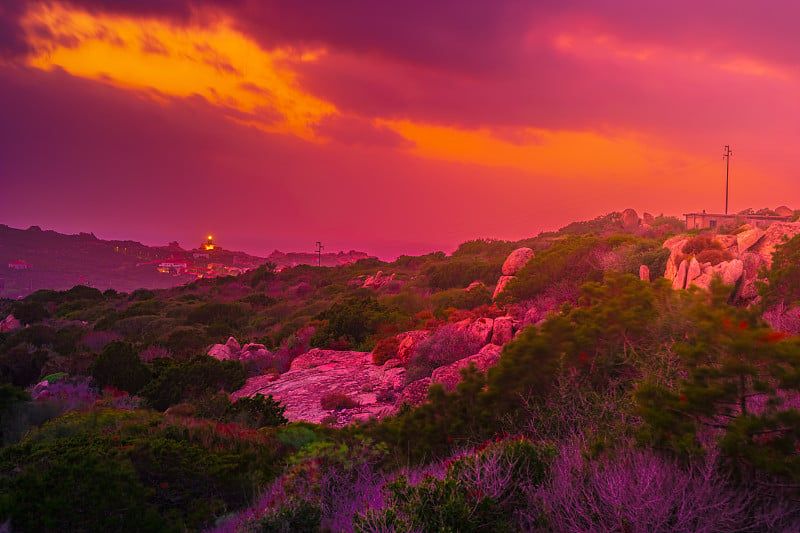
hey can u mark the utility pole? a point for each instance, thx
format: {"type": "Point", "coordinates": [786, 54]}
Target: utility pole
{"type": "Point", "coordinates": [319, 253]}
{"type": "Point", "coordinates": [727, 157]}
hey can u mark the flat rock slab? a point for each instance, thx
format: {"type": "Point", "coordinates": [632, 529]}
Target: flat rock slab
{"type": "Point", "coordinates": [320, 372]}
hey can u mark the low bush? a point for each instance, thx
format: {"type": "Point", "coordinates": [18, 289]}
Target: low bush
{"type": "Point", "coordinates": [385, 349]}
{"type": "Point", "coordinates": [446, 345]}
{"type": "Point", "coordinates": [337, 400]}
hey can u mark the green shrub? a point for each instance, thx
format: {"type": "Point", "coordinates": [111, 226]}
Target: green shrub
{"type": "Point", "coordinates": [446, 345]}
{"type": "Point", "coordinates": [782, 280]}
{"type": "Point", "coordinates": [337, 400]}
{"type": "Point", "coordinates": [385, 349]}
{"type": "Point", "coordinates": [256, 412]}
{"type": "Point", "coordinates": [119, 366]}
{"type": "Point", "coordinates": [191, 379]}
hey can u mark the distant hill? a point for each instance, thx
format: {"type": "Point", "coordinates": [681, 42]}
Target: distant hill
{"type": "Point", "coordinates": [35, 259]}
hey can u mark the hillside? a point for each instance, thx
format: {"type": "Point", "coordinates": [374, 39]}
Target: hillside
{"type": "Point", "coordinates": [56, 261]}
{"type": "Point", "coordinates": [620, 374]}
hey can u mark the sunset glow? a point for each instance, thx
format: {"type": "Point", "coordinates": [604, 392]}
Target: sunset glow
{"type": "Point", "coordinates": [391, 127]}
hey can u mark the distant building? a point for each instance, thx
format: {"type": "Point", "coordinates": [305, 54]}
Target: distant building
{"type": "Point", "coordinates": [19, 265]}
{"type": "Point", "coordinates": [174, 265]}
{"type": "Point", "coordinates": [713, 220]}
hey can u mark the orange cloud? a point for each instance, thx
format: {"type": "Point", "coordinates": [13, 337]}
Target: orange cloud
{"type": "Point", "coordinates": [216, 62]}
{"type": "Point", "coordinates": [567, 154]}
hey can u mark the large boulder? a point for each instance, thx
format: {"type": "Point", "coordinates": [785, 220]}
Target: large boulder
{"type": "Point", "coordinates": [501, 285]}
{"type": "Point", "coordinates": [450, 375]}
{"type": "Point", "coordinates": [234, 345]}
{"type": "Point", "coordinates": [679, 281]}
{"type": "Point", "coordinates": [630, 219]}
{"type": "Point", "coordinates": [416, 392]}
{"type": "Point", "coordinates": [408, 341]}
{"type": "Point", "coordinates": [221, 352]}
{"type": "Point", "coordinates": [784, 211]}
{"type": "Point", "coordinates": [480, 329]}
{"type": "Point", "coordinates": [675, 246]}
{"type": "Point", "coordinates": [9, 323]}
{"type": "Point", "coordinates": [648, 219]}
{"type": "Point", "coordinates": [502, 330]}
{"type": "Point", "coordinates": [748, 238]}
{"type": "Point", "coordinates": [516, 260]}
{"type": "Point", "coordinates": [731, 271]}
{"type": "Point", "coordinates": [693, 271]}
{"type": "Point", "coordinates": [751, 264]}
{"type": "Point", "coordinates": [774, 236]}
{"type": "Point", "coordinates": [644, 273]}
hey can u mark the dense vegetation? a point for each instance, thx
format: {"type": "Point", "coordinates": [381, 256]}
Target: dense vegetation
{"type": "Point", "coordinates": [630, 407]}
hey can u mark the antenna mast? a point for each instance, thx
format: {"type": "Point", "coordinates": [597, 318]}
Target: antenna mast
{"type": "Point", "coordinates": [319, 253]}
{"type": "Point", "coordinates": [726, 155]}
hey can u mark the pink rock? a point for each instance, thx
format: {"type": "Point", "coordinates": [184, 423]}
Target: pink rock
{"type": "Point", "coordinates": [502, 330]}
{"type": "Point", "coordinates": [501, 285]}
{"type": "Point", "coordinates": [644, 273]}
{"type": "Point", "coordinates": [516, 260]}
{"type": "Point", "coordinates": [450, 375]}
{"type": "Point", "coordinates": [630, 219]}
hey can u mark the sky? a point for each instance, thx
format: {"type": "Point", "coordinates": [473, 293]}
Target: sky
{"type": "Point", "coordinates": [391, 127]}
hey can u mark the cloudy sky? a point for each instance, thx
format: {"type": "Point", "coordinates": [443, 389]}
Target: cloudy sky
{"type": "Point", "coordinates": [390, 126]}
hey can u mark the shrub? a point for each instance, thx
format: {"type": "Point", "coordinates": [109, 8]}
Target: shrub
{"type": "Point", "coordinates": [119, 366]}
{"type": "Point", "coordinates": [337, 400]}
{"type": "Point", "coordinates": [386, 349]}
{"type": "Point", "coordinates": [191, 379]}
{"type": "Point", "coordinates": [29, 312]}
{"type": "Point", "coordinates": [713, 256]}
{"type": "Point", "coordinates": [446, 345]}
{"type": "Point", "coordinates": [256, 412]}
{"type": "Point", "coordinates": [782, 280]}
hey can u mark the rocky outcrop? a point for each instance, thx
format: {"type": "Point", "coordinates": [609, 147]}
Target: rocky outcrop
{"type": "Point", "coordinates": [415, 392]}
{"type": "Point", "coordinates": [450, 375]}
{"type": "Point", "coordinates": [630, 219]}
{"type": "Point", "coordinates": [675, 246]}
{"type": "Point", "coordinates": [644, 273]}
{"type": "Point", "coordinates": [648, 219]}
{"type": "Point", "coordinates": [748, 238]}
{"type": "Point", "coordinates": [751, 248]}
{"type": "Point", "coordinates": [9, 323]}
{"type": "Point", "coordinates": [233, 350]}
{"type": "Point", "coordinates": [480, 329]}
{"type": "Point", "coordinates": [408, 341]}
{"type": "Point", "coordinates": [502, 330]}
{"type": "Point", "coordinates": [377, 281]}
{"type": "Point", "coordinates": [783, 211]}
{"type": "Point", "coordinates": [679, 281]}
{"type": "Point", "coordinates": [501, 285]}
{"type": "Point", "coordinates": [319, 372]}
{"type": "Point", "coordinates": [775, 235]}
{"type": "Point", "coordinates": [516, 260]}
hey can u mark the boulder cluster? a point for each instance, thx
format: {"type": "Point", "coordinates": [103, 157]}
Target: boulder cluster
{"type": "Point", "coordinates": [375, 390]}
{"type": "Point", "coordinates": [513, 264]}
{"type": "Point", "coordinates": [751, 249]}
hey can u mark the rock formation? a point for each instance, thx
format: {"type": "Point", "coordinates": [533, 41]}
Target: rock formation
{"type": "Point", "coordinates": [630, 219]}
{"type": "Point", "coordinates": [9, 323]}
{"type": "Point", "coordinates": [751, 248]}
{"type": "Point", "coordinates": [515, 261]}
{"type": "Point", "coordinates": [450, 375]}
{"type": "Point", "coordinates": [319, 372]}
